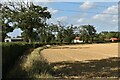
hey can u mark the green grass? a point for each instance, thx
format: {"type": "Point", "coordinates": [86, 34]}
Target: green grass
{"type": "Point", "coordinates": [32, 65]}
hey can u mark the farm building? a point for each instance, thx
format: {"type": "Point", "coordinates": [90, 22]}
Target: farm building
{"type": "Point", "coordinates": [114, 39]}
{"type": "Point", "coordinates": [13, 40]}
{"type": "Point", "coordinates": [77, 40]}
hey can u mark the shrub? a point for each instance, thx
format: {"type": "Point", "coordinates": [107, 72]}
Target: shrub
{"type": "Point", "coordinates": [10, 53]}
{"type": "Point", "coordinates": [37, 44]}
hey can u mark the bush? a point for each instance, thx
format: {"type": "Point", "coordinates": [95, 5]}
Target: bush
{"type": "Point", "coordinates": [37, 44]}
{"type": "Point", "coordinates": [32, 65]}
{"type": "Point", "coordinates": [10, 53]}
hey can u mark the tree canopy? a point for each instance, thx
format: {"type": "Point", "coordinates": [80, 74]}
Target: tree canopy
{"type": "Point", "coordinates": [88, 32]}
{"type": "Point", "coordinates": [26, 16]}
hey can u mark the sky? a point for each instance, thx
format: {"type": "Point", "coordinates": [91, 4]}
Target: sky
{"type": "Point", "coordinates": [102, 15]}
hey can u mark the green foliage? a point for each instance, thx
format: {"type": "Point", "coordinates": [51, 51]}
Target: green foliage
{"type": "Point", "coordinates": [30, 18]}
{"type": "Point", "coordinates": [5, 20]}
{"type": "Point", "coordinates": [68, 34]}
{"type": "Point", "coordinates": [12, 51]}
{"type": "Point", "coordinates": [108, 35]}
{"type": "Point", "coordinates": [31, 65]}
{"type": "Point", "coordinates": [65, 34]}
{"type": "Point", "coordinates": [88, 33]}
{"type": "Point", "coordinates": [105, 36]}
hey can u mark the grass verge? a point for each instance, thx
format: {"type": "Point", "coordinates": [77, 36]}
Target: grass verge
{"type": "Point", "coordinates": [32, 65]}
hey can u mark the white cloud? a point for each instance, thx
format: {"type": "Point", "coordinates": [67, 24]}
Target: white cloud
{"type": "Point", "coordinates": [87, 5]}
{"type": "Point", "coordinates": [109, 20]}
{"type": "Point", "coordinates": [84, 21]}
{"type": "Point", "coordinates": [52, 11]}
{"type": "Point", "coordinates": [62, 18]}
{"type": "Point", "coordinates": [81, 20]}
{"type": "Point", "coordinates": [102, 22]}
{"type": "Point", "coordinates": [110, 15]}
{"type": "Point", "coordinates": [112, 9]}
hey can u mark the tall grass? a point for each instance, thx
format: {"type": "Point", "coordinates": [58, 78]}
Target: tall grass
{"type": "Point", "coordinates": [32, 65]}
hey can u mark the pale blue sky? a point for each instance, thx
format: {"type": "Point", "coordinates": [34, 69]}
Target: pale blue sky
{"type": "Point", "coordinates": [80, 13]}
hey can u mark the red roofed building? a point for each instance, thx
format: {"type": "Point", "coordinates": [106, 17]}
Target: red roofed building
{"type": "Point", "coordinates": [114, 39]}
{"type": "Point", "coordinates": [77, 40]}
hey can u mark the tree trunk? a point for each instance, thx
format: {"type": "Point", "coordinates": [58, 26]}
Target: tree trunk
{"type": "Point", "coordinates": [92, 39]}
{"type": "Point", "coordinates": [30, 40]}
{"type": "Point", "coordinates": [3, 37]}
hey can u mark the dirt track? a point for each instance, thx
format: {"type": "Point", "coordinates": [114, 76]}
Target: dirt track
{"type": "Point", "coordinates": [80, 52]}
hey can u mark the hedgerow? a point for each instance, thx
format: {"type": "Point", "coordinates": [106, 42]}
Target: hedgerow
{"type": "Point", "coordinates": [11, 52]}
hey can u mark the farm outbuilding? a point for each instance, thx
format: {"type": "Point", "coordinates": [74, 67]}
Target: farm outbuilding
{"type": "Point", "coordinates": [114, 39]}
{"type": "Point", "coordinates": [13, 40]}
{"type": "Point", "coordinates": [77, 40]}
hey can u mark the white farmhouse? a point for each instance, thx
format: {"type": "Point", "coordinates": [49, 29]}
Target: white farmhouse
{"type": "Point", "coordinates": [13, 40]}
{"type": "Point", "coordinates": [77, 40]}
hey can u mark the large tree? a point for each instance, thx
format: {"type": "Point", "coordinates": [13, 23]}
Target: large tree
{"type": "Point", "coordinates": [60, 30]}
{"type": "Point", "coordinates": [28, 17]}
{"type": "Point", "coordinates": [5, 21]}
{"type": "Point", "coordinates": [88, 32]}
{"type": "Point", "coordinates": [64, 33]}
{"type": "Point", "coordinates": [68, 34]}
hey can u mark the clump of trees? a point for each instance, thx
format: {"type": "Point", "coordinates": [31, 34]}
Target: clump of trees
{"type": "Point", "coordinates": [31, 19]}
{"type": "Point", "coordinates": [88, 33]}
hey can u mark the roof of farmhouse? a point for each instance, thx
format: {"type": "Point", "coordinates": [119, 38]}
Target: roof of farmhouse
{"type": "Point", "coordinates": [113, 38]}
{"type": "Point", "coordinates": [77, 38]}
{"type": "Point", "coordinates": [14, 38]}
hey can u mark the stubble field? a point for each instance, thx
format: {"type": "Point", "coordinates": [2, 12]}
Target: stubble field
{"type": "Point", "coordinates": [80, 52]}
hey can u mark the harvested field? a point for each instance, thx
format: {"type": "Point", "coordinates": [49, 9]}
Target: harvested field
{"type": "Point", "coordinates": [84, 61]}
{"type": "Point", "coordinates": [81, 52]}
